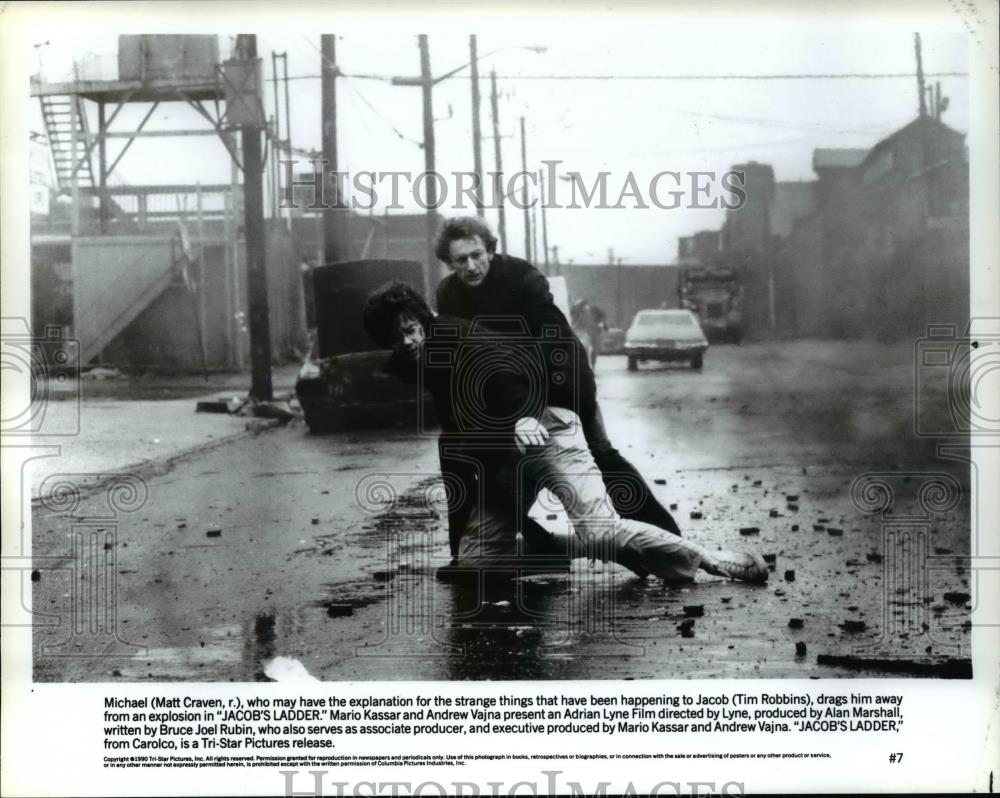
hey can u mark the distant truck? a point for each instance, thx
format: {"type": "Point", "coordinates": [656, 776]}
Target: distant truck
{"type": "Point", "coordinates": [715, 295]}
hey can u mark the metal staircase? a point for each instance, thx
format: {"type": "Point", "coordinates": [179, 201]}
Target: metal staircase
{"type": "Point", "coordinates": [57, 111]}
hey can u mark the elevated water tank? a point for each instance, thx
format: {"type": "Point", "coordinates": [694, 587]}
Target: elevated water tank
{"type": "Point", "coordinates": [167, 57]}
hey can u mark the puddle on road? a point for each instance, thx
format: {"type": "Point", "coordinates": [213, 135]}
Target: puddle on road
{"type": "Point", "coordinates": [217, 652]}
{"type": "Point", "coordinates": [230, 651]}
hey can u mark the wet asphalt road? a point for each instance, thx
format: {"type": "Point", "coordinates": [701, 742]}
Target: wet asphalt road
{"type": "Point", "coordinates": [326, 546]}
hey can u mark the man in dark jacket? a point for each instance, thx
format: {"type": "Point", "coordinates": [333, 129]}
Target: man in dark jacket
{"type": "Point", "coordinates": [509, 294]}
{"type": "Point", "coordinates": [499, 417]}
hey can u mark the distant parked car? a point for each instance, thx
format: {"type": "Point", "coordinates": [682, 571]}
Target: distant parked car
{"type": "Point", "coordinates": [666, 335]}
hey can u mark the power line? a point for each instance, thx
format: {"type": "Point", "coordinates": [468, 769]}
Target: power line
{"type": "Point", "coordinates": [682, 77]}
{"type": "Point", "coordinates": [779, 76]}
{"type": "Point", "coordinates": [375, 111]}
{"type": "Point", "coordinates": [353, 89]}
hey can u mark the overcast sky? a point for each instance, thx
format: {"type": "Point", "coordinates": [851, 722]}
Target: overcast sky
{"type": "Point", "coordinates": [621, 125]}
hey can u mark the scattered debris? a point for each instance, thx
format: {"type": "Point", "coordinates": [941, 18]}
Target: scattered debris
{"type": "Point", "coordinates": [694, 610]}
{"type": "Point", "coordinates": [957, 597]}
{"type": "Point", "coordinates": [101, 373]}
{"type": "Point", "coordinates": [793, 507]}
{"type": "Point", "coordinates": [853, 626]}
{"type": "Point", "coordinates": [774, 514]}
{"type": "Point", "coordinates": [726, 599]}
{"type": "Point", "coordinates": [263, 627]}
{"type": "Point", "coordinates": [873, 556]}
{"type": "Point", "coordinates": [212, 406]}
{"type": "Point", "coordinates": [835, 531]}
{"type": "Point", "coordinates": [819, 528]}
{"type": "Point", "coordinates": [280, 411]}
{"type": "Point", "coordinates": [686, 628]}
{"type": "Point", "coordinates": [214, 533]}
{"type": "Point", "coordinates": [258, 425]}
{"type": "Point", "coordinates": [771, 559]}
{"type": "Point", "coordinates": [795, 623]}
{"type": "Point", "coordinates": [790, 575]}
{"type": "Point", "coordinates": [942, 668]}
{"type": "Point", "coordinates": [791, 497]}
{"type": "Point", "coordinates": [757, 483]}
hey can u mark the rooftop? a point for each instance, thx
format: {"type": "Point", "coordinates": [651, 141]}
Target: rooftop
{"type": "Point", "coordinates": [838, 159]}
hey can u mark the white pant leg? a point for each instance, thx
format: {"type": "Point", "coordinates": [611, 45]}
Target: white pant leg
{"type": "Point", "coordinates": [565, 466]}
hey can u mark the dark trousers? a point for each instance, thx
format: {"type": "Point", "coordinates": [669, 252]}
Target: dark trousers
{"type": "Point", "coordinates": [629, 492]}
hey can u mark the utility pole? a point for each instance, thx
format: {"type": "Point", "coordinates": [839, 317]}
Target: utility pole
{"type": "Point", "coordinates": [102, 162]}
{"type": "Point", "coordinates": [335, 245]}
{"type": "Point", "coordinates": [618, 285]}
{"type": "Point", "coordinates": [288, 107]}
{"type": "Point", "coordinates": [274, 87]}
{"type": "Point", "coordinates": [921, 91]}
{"type": "Point", "coordinates": [534, 235]}
{"type": "Point", "coordinates": [282, 144]}
{"type": "Point", "coordinates": [477, 133]}
{"type": "Point", "coordinates": [524, 195]}
{"type": "Point", "coordinates": [253, 191]}
{"type": "Point", "coordinates": [502, 214]}
{"type": "Point", "coordinates": [427, 87]}
{"type": "Point", "coordinates": [545, 226]}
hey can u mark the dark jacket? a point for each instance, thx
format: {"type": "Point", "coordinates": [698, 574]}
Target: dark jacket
{"type": "Point", "coordinates": [478, 399]}
{"type": "Point", "coordinates": [472, 375]}
{"type": "Point", "coordinates": [514, 300]}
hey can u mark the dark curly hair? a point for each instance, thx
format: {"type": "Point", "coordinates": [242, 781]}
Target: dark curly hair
{"type": "Point", "coordinates": [462, 227]}
{"type": "Point", "coordinates": [384, 307]}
